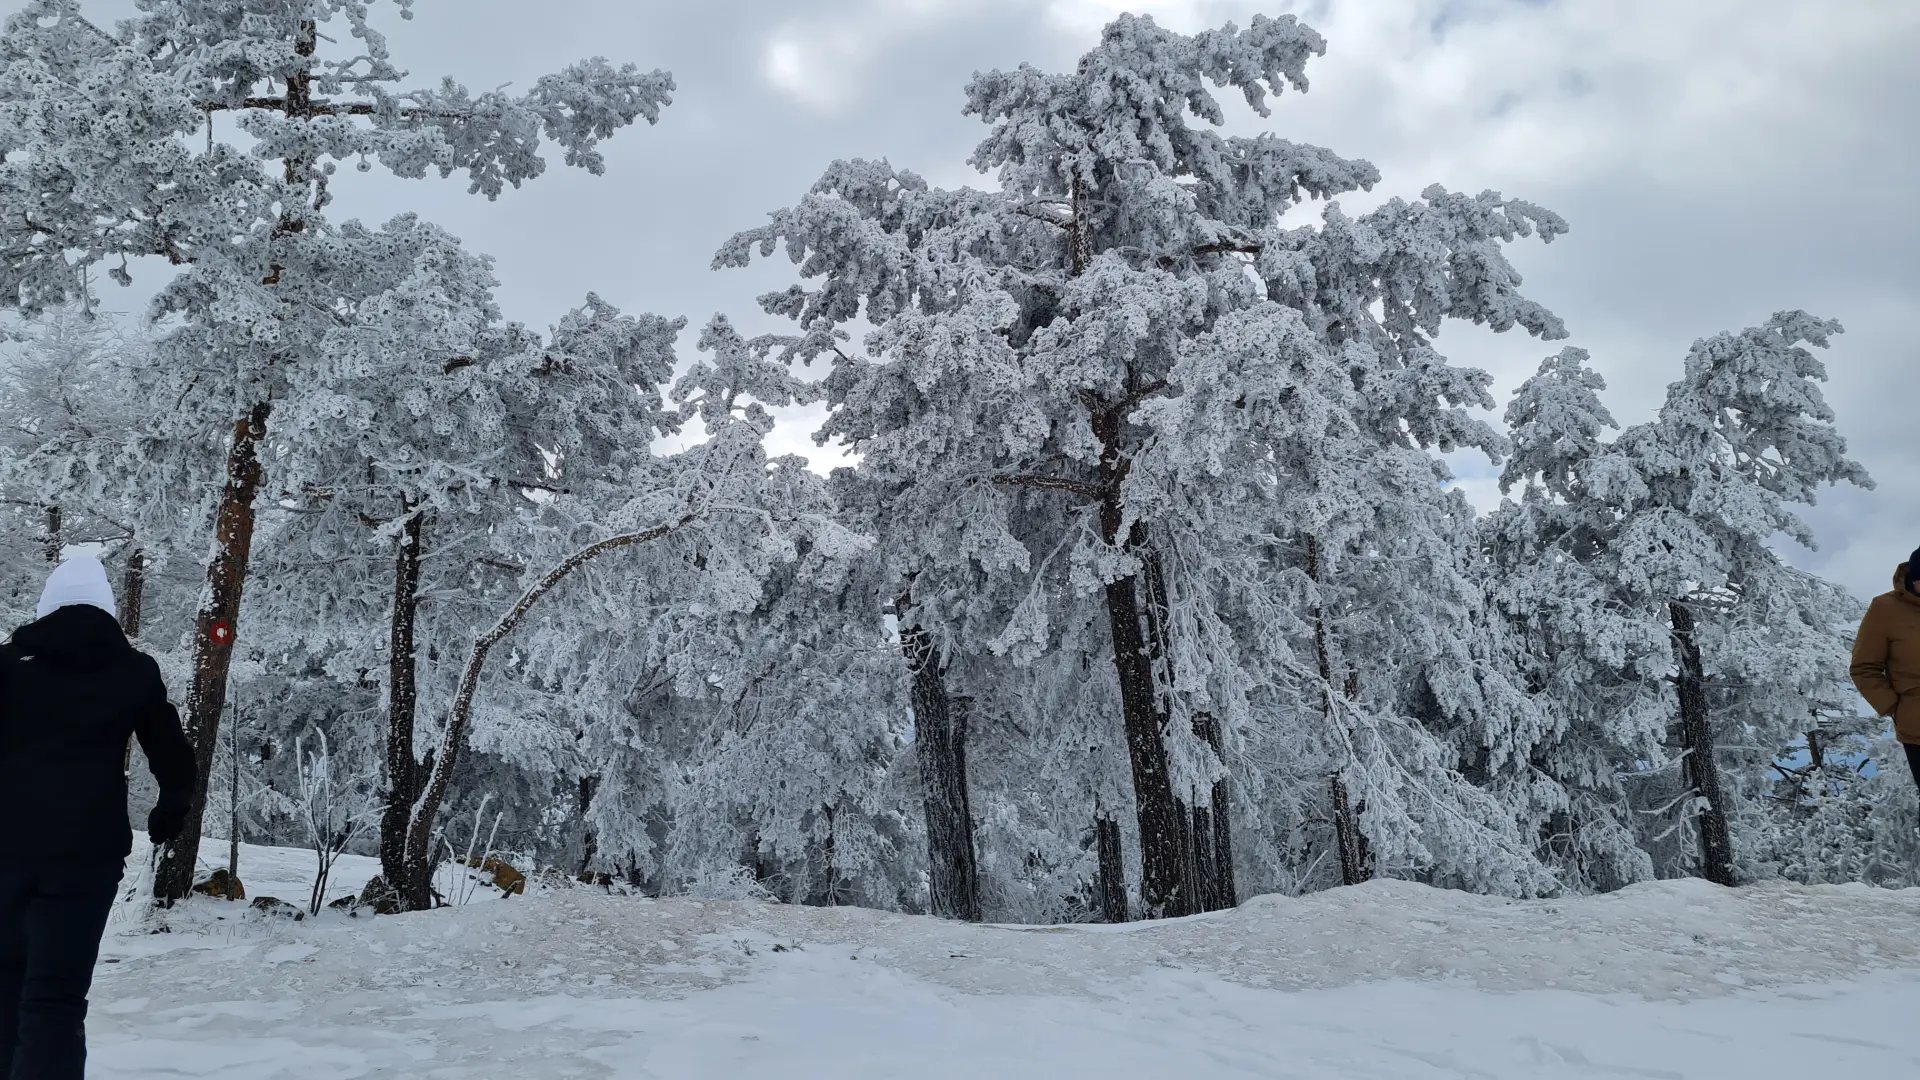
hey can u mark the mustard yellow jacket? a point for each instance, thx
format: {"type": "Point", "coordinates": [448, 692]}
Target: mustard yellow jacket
{"type": "Point", "coordinates": [1886, 658]}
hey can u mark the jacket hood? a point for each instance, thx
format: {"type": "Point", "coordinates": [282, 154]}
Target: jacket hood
{"type": "Point", "coordinates": [79, 580]}
{"type": "Point", "coordinates": [78, 637]}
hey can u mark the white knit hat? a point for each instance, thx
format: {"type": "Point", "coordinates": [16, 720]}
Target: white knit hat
{"type": "Point", "coordinates": [79, 580]}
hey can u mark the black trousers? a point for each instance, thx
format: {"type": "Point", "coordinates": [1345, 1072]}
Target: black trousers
{"type": "Point", "coordinates": [52, 915]}
{"type": "Point", "coordinates": [1913, 760]}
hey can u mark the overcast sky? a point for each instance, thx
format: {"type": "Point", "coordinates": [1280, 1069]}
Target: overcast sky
{"type": "Point", "coordinates": [1718, 160]}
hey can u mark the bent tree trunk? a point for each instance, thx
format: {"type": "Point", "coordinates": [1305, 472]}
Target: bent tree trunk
{"type": "Point", "coordinates": [414, 885]}
{"type": "Point", "coordinates": [940, 738]}
{"type": "Point", "coordinates": [213, 653]}
{"type": "Point", "coordinates": [1696, 736]}
{"type": "Point", "coordinates": [405, 773]}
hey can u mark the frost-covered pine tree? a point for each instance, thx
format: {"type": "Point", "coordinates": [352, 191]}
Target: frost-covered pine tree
{"type": "Point", "coordinates": [1036, 345]}
{"type": "Point", "coordinates": [83, 463]}
{"type": "Point", "coordinates": [1743, 436]}
{"type": "Point", "coordinates": [1597, 666]}
{"type": "Point", "coordinates": [1668, 636]}
{"type": "Point", "coordinates": [114, 123]}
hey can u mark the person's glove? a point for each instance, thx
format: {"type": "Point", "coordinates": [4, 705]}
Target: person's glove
{"type": "Point", "coordinates": [164, 822]}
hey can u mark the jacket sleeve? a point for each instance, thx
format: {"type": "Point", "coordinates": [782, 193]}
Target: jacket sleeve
{"type": "Point", "coordinates": [169, 754]}
{"type": "Point", "coordinates": [1869, 670]}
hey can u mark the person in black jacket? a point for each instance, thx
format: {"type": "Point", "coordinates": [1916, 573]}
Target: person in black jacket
{"type": "Point", "coordinates": [73, 690]}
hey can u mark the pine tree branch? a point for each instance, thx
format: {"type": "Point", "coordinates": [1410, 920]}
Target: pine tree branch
{"type": "Point", "coordinates": [1052, 483]}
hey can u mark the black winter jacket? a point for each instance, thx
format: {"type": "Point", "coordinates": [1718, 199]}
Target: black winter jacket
{"type": "Point", "coordinates": [72, 689]}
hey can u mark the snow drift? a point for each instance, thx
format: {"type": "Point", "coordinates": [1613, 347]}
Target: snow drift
{"type": "Point", "coordinates": [1389, 980]}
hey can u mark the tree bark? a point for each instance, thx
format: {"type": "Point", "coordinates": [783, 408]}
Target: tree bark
{"type": "Point", "coordinates": [1696, 736]}
{"type": "Point", "coordinates": [1349, 840]}
{"type": "Point", "coordinates": [1111, 889]}
{"type": "Point", "coordinates": [1212, 840]}
{"type": "Point", "coordinates": [53, 544]}
{"type": "Point", "coordinates": [940, 739]}
{"type": "Point", "coordinates": [1163, 825]}
{"type": "Point", "coordinates": [213, 654]}
{"type": "Point", "coordinates": [589, 843]}
{"type": "Point", "coordinates": [133, 592]}
{"type": "Point", "coordinates": [1346, 834]}
{"type": "Point", "coordinates": [405, 772]}
{"type": "Point", "coordinates": [1165, 869]}
{"type": "Point", "coordinates": [1209, 843]}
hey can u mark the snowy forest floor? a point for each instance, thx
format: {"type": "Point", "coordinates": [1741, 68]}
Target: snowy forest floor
{"type": "Point", "coordinates": [1389, 981]}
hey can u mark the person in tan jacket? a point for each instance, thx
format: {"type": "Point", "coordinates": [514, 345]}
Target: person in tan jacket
{"type": "Point", "coordinates": [1886, 658]}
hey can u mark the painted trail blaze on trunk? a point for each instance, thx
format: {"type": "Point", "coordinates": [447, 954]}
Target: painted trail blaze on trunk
{"type": "Point", "coordinates": [207, 697]}
{"type": "Point", "coordinates": [1696, 734]}
{"type": "Point", "coordinates": [941, 743]}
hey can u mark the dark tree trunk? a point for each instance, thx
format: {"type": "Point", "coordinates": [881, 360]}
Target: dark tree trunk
{"type": "Point", "coordinates": [405, 772]}
{"type": "Point", "coordinates": [589, 843]}
{"type": "Point", "coordinates": [1349, 840]}
{"type": "Point", "coordinates": [1696, 735]}
{"type": "Point", "coordinates": [1346, 833]}
{"type": "Point", "coordinates": [1209, 843]}
{"type": "Point", "coordinates": [213, 652]}
{"type": "Point", "coordinates": [1165, 861]}
{"type": "Point", "coordinates": [940, 736]}
{"type": "Point", "coordinates": [1163, 823]}
{"type": "Point", "coordinates": [1111, 889]}
{"type": "Point", "coordinates": [1212, 839]}
{"type": "Point", "coordinates": [53, 535]}
{"type": "Point", "coordinates": [133, 592]}
{"type": "Point", "coordinates": [1226, 889]}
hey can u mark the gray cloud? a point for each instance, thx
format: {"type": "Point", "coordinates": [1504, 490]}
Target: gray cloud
{"type": "Point", "coordinates": [1718, 160]}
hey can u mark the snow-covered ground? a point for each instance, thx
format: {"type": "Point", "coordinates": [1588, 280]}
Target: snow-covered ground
{"type": "Point", "coordinates": [1389, 981]}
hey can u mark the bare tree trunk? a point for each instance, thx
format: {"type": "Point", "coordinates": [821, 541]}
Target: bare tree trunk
{"type": "Point", "coordinates": [940, 740]}
{"type": "Point", "coordinates": [133, 592]}
{"type": "Point", "coordinates": [1703, 766]}
{"type": "Point", "coordinates": [1111, 889]}
{"type": "Point", "coordinates": [1348, 838]}
{"type": "Point", "coordinates": [213, 651]}
{"type": "Point", "coordinates": [589, 843]}
{"type": "Point", "coordinates": [233, 806]}
{"type": "Point", "coordinates": [1212, 839]}
{"type": "Point", "coordinates": [54, 544]}
{"type": "Point", "coordinates": [415, 886]}
{"type": "Point", "coordinates": [830, 854]}
{"type": "Point", "coordinates": [1209, 843]}
{"type": "Point", "coordinates": [405, 773]}
{"type": "Point", "coordinates": [1346, 835]}
{"type": "Point", "coordinates": [1163, 825]}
